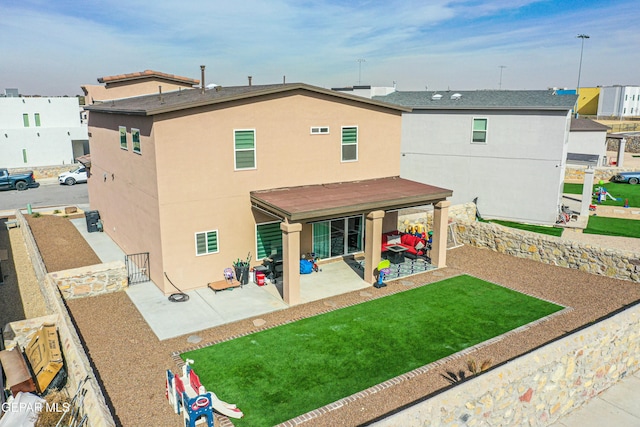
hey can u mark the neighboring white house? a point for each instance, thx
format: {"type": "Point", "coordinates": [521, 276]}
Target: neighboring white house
{"type": "Point", "coordinates": [41, 131]}
{"type": "Point", "coordinates": [587, 143]}
{"type": "Point", "coordinates": [505, 148]}
{"type": "Point", "coordinates": [619, 101]}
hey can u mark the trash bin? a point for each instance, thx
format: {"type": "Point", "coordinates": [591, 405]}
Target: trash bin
{"type": "Point", "coordinates": [257, 270]}
{"type": "Point", "coordinates": [242, 274]}
{"type": "Point", "coordinates": [92, 218]}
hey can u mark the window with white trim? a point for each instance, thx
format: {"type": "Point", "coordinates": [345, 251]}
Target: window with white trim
{"type": "Point", "coordinates": [36, 118]}
{"type": "Point", "coordinates": [25, 120]}
{"type": "Point", "coordinates": [319, 130]}
{"type": "Point", "coordinates": [207, 242]}
{"type": "Point", "coordinates": [480, 126]}
{"type": "Point", "coordinates": [123, 137]}
{"type": "Point", "coordinates": [349, 143]}
{"type": "Point", "coordinates": [135, 140]}
{"type": "Point", "coordinates": [244, 144]}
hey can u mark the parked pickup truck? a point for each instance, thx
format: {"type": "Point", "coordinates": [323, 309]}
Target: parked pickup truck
{"type": "Point", "coordinates": [19, 182]}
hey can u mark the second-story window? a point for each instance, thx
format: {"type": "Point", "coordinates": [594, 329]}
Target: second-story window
{"type": "Point", "coordinates": [319, 130]}
{"type": "Point", "coordinates": [244, 149]}
{"type": "Point", "coordinates": [36, 117]}
{"type": "Point", "coordinates": [480, 131]}
{"type": "Point", "coordinates": [25, 120]}
{"type": "Point", "coordinates": [123, 137]}
{"type": "Point", "coordinates": [135, 140]}
{"type": "Point", "coordinates": [349, 144]}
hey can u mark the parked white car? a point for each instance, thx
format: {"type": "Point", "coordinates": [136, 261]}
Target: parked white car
{"type": "Point", "coordinates": [71, 177]}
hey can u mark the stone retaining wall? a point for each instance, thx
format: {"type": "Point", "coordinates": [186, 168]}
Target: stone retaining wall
{"type": "Point", "coordinates": [91, 280]}
{"type": "Point", "coordinates": [631, 146]}
{"type": "Point", "coordinates": [457, 213]}
{"type": "Point", "coordinates": [576, 173]}
{"type": "Point", "coordinates": [538, 388]}
{"type": "Point", "coordinates": [551, 250]}
{"type": "Point", "coordinates": [76, 360]}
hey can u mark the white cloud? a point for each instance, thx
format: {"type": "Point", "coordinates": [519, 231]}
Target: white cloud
{"type": "Point", "coordinates": [55, 47]}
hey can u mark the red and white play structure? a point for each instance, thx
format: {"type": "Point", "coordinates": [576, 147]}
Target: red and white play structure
{"type": "Point", "coordinates": [188, 396]}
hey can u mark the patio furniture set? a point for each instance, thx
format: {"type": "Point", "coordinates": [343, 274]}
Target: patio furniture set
{"type": "Point", "coordinates": [397, 245]}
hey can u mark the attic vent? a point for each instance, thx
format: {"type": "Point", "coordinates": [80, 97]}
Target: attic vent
{"type": "Point", "coordinates": [436, 97]}
{"type": "Point", "coordinates": [456, 96]}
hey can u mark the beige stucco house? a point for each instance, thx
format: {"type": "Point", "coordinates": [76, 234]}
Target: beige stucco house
{"type": "Point", "coordinates": [202, 177]}
{"type": "Point", "coordinates": [135, 84]}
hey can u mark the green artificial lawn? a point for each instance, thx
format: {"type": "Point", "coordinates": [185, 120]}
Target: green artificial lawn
{"type": "Point", "coordinates": [541, 229]}
{"type": "Point", "coordinates": [613, 226]}
{"type": "Point", "coordinates": [617, 190]}
{"type": "Point", "coordinates": [283, 372]}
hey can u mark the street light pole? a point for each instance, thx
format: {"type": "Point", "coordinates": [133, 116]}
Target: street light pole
{"type": "Point", "coordinates": [360, 61]}
{"type": "Point", "coordinates": [502, 67]}
{"type": "Point", "coordinates": [580, 36]}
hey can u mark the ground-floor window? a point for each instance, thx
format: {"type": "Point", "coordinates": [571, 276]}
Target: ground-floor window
{"type": "Point", "coordinates": [337, 237]}
{"type": "Point", "coordinates": [207, 242]}
{"type": "Point", "coordinates": [268, 239]}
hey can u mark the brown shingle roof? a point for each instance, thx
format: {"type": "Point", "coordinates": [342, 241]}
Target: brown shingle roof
{"type": "Point", "coordinates": [587, 125]}
{"type": "Point", "coordinates": [146, 74]}
{"type": "Point", "coordinates": [191, 98]}
{"type": "Point", "coordinates": [313, 202]}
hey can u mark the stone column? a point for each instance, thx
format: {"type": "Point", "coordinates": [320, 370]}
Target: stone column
{"type": "Point", "coordinates": [586, 191]}
{"type": "Point", "coordinates": [291, 262]}
{"type": "Point", "coordinates": [372, 244]}
{"type": "Point", "coordinates": [440, 224]}
{"type": "Point", "coordinates": [621, 147]}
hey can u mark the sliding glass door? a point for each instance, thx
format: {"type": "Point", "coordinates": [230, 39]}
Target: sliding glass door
{"type": "Point", "coordinates": [337, 237]}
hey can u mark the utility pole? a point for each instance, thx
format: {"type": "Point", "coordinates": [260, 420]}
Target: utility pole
{"type": "Point", "coordinates": [502, 67]}
{"type": "Point", "coordinates": [360, 61]}
{"type": "Point", "coordinates": [580, 36]}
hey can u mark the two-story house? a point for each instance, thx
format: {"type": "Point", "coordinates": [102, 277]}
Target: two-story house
{"type": "Point", "coordinates": [200, 178]}
{"type": "Point", "coordinates": [505, 149]}
{"type": "Point", "coordinates": [40, 131]}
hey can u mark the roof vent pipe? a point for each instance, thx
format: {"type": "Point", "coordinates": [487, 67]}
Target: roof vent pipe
{"type": "Point", "coordinates": [249, 77]}
{"type": "Point", "coordinates": [202, 79]}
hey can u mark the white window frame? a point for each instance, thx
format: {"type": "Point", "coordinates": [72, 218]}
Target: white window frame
{"type": "Point", "coordinates": [206, 235]}
{"type": "Point", "coordinates": [255, 150]}
{"type": "Point", "coordinates": [342, 160]}
{"type": "Point", "coordinates": [126, 146]}
{"type": "Point", "coordinates": [133, 142]}
{"type": "Point", "coordinates": [486, 131]}
{"type": "Point", "coordinates": [319, 130]}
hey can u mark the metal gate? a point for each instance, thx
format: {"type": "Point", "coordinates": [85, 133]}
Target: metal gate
{"type": "Point", "coordinates": [137, 267]}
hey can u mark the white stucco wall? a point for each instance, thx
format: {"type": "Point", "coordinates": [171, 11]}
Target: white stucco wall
{"type": "Point", "coordinates": [517, 175]}
{"type": "Point", "coordinates": [589, 143]}
{"type": "Point", "coordinates": [47, 144]}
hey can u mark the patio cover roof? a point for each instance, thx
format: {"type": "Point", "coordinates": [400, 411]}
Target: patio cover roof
{"type": "Point", "coordinates": [316, 202]}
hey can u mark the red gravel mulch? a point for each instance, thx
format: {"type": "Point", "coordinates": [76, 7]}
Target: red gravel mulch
{"type": "Point", "coordinates": [130, 361]}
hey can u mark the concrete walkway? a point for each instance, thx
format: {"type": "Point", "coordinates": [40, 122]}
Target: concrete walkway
{"type": "Point", "coordinates": [617, 406]}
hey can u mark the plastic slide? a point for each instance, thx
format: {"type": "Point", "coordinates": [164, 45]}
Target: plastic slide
{"type": "Point", "coordinates": [228, 409]}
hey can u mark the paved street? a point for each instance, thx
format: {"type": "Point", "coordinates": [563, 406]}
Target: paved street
{"type": "Point", "coordinates": [49, 193]}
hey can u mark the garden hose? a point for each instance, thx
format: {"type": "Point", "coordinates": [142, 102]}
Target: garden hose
{"type": "Point", "coordinates": [179, 296]}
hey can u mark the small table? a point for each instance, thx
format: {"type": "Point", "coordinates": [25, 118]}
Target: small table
{"type": "Point", "coordinates": [396, 255]}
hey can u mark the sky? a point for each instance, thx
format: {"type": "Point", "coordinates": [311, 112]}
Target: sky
{"type": "Point", "coordinates": [53, 47]}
